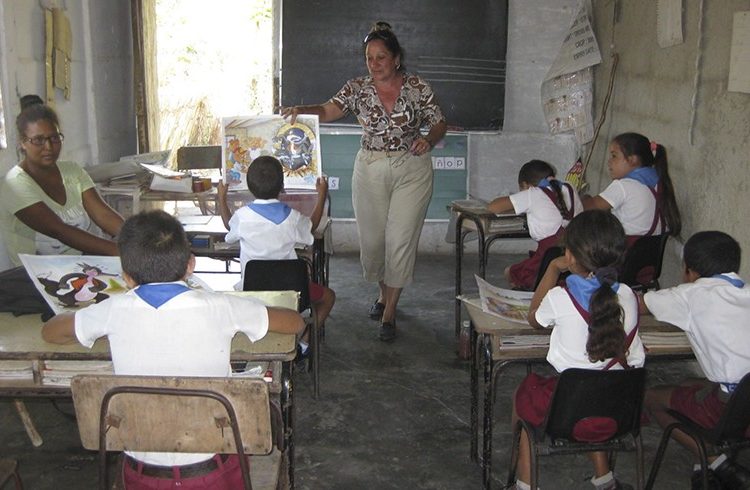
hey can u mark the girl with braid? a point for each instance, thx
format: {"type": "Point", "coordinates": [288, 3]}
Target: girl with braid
{"type": "Point", "coordinates": [595, 323]}
{"type": "Point", "coordinates": [549, 205]}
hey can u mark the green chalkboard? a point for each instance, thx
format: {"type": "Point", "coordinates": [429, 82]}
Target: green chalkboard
{"type": "Point", "coordinates": [339, 147]}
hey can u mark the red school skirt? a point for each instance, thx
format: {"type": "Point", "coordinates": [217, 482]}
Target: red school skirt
{"type": "Point", "coordinates": [523, 274]}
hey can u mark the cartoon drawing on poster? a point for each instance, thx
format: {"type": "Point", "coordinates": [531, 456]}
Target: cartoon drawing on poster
{"type": "Point", "coordinates": [71, 282]}
{"type": "Point", "coordinates": [295, 145]}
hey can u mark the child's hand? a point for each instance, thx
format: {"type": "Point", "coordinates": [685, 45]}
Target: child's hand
{"type": "Point", "coordinates": [321, 185]}
{"type": "Point", "coordinates": [221, 191]}
{"type": "Point", "coordinates": [561, 264]}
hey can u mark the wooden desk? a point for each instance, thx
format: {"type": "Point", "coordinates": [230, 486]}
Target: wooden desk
{"type": "Point", "coordinates": [20, 339]}
{"type": "Point", "coordinates": [489, 356]}
{"type": "Point", "coordinates": [488, 227]}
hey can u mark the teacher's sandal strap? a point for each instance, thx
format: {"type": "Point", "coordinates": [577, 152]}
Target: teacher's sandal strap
{"type": "Point", "coordinates": [376, 310]}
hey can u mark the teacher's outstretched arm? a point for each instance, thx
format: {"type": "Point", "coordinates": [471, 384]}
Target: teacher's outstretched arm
{"type": "Point", "coordinates": [327, 112]}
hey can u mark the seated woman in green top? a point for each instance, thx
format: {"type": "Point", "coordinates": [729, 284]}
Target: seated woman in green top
{"type": "Point", "coordinates": [47, 207]}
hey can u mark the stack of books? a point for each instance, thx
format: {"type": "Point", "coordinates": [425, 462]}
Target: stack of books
{"type": "Point", "coordinates": [59, 373]}
{"type": "Point", "coordinates": [17, 370]}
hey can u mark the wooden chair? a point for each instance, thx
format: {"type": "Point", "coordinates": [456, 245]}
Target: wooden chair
{"type": "Point", "coordinates": [586, 394]}
{"type": "Point", "coordinates": [728, 436]}
{"type": "Point", "coordinates": [8, 470]}
{"type": "Point", "coordinates": [642, 266]}
{"type": "Point", "coordinates": [292, 274]}
{"type": "Point", "coordinates": [182, 414]}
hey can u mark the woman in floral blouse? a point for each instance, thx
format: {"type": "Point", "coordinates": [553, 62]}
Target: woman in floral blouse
{"type": "Point", "coordinates": [392, 180]}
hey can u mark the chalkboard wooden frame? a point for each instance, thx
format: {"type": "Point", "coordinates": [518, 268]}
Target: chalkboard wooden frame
{"type": "Point", "coordinates": [458, 47]}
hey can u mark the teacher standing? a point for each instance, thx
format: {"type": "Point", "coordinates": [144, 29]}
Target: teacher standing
{"type": "Point", "coordinates": [392, 180]}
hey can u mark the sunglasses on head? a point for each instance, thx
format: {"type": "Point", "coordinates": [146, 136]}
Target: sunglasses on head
{"type": "Point", "coordinates": [382, 34]}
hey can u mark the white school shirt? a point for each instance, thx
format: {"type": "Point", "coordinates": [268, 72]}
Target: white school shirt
{"type": "Point", "coordinates": [633, 204]}
{"type": "Point", "coordinates": [542, 216]}
{"type": "Point", "coordinates": [189, 335]}
{"type": "Point", "coordinates": [714, 315]}
{"type": "Point", "coordinates": [567, 344]}
{"type": "Point", "coordinates": [262, 239]}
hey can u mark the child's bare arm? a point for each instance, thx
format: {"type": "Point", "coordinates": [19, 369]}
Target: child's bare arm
{"type": "Point", "coordinates": [321, 186]}
{"type": "Point", "coordinates": [284, 320]}
{"type": "Point", "coordinates": [595, 202]}
{"type": "Point", "coordinates": [60, 329]}
{"type": "Point", "coordinates": [500, 205]}
{"type": "Point", "coordinates": [221, 202]}
{"type": "Point", "coordinates": [549, 280]}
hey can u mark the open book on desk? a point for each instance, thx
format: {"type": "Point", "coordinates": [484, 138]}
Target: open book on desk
{"type": "Point", "coordinates": [506, 303]}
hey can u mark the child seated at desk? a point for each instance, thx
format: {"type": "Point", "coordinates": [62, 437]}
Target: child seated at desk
{"type": "Point", "coordinates": [268, 229]}
{"type": "Point", "coordinates": [595, 322]}
{"type": "Point", "coordinates": [549, 205]}
{"type": "Point", "coordinates": [162, 328]}
{"type": "Point", "coordinates": [712, 307]}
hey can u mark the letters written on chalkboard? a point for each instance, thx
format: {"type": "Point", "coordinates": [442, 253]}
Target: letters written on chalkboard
{"type": "Point", "coordinates": [458, 47]}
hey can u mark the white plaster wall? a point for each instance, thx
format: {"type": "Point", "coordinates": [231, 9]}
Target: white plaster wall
{"type": "Point", "coordinates": [652, 95]}
{"type": "Point", "coordinates": [98, 120]}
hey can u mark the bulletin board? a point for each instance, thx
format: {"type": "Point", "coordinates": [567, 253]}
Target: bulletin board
{"type": "Point", "coordinates": [339, 147]}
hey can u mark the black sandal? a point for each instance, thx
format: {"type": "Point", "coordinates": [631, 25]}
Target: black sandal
{"type": "Point", "coordinates": [376, 310]}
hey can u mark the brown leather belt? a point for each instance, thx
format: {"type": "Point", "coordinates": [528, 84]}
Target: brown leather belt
{"type": "Point", "coordinates": [186, 471]}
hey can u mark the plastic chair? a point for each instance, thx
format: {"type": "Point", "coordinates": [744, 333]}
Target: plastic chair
{"type": "Point", "coordinates": [646, 253]}
{"type": "Point", "coordinates": [182, 414]}
{"type": "Point", "coordinates": [729, 435]}
{"type": "Point", "coordinates": [291, 274]}
{"type": "Point", "coordinates": [583, 394]}
{"type": "Point", "coordinates": [8, 470]}
{"type": "Point", "coordinates": [549, 255]}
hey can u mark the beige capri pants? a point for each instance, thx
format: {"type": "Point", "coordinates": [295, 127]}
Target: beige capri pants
{"type": "Point", "coordinates": [390, 193]}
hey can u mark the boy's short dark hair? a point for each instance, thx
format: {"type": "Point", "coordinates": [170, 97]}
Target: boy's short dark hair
{"type": "Point", "coordinates": [265, 177]}
{"type": "Point", "coordinates": [153, 248]}
{"type": "Point", "coordinates": [712, 252]}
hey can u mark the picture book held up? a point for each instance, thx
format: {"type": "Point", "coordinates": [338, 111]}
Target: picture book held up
{"type": "Point", "coordinates": [71, 282]}
{"type": "Point", "coordinates": [297, 146]}
{"type": "Point", "coordinates": [505, 303]}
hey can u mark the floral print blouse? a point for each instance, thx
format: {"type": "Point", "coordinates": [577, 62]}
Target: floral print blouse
{"type": "Point", "coordinates": [415, 107]}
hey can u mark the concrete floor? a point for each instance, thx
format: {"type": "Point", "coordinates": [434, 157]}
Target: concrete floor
{"type": "Point", "coordinates": [390, 416]}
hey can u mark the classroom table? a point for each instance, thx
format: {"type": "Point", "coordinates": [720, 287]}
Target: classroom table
{"type": "Point", "coordinates": [489, 356]}
{"type": "Point", "coordinates": [20, 339]}
{"type": "Point", "coordinates": [489, 227]}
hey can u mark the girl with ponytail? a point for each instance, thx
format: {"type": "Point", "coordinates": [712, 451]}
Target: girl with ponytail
{"type": "Point", "coordinates": [641, 194]}
{"type": "Point", "coordinates": [549, 205]}
{"type": "Point", "coordinates": [594, 320]}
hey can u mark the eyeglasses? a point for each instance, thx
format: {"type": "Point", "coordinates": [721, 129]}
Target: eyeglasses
{"type": "Point", "coordinates": [40, 141]}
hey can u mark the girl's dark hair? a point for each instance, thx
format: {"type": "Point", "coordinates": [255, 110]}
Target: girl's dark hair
{"type": "Point", "coordinates": [597, 241]}
{"type": "Point", "coordinates": [34, 112]}
{"type": "Point", "coordinates": [265, 177]}
{"type": "Point", "coordinates": [535, 170]}
{"type": "Point", "coordinates": [638, 145]}
{"type": "Point", "coordinates": [382, 30]}
{"type": "Point", "coordinates": [712, 252]}
{"type": "Point", "coordinates": [153, 247]}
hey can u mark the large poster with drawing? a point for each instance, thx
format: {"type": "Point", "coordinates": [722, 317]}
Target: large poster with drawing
{"type": "Point", "coordinates": [297, 146]}
{"type": "Point", "coordinates": [71, 282]}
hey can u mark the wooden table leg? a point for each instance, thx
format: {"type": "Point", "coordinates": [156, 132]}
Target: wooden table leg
{"type": "Point", "coordinates": [28, 424]}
